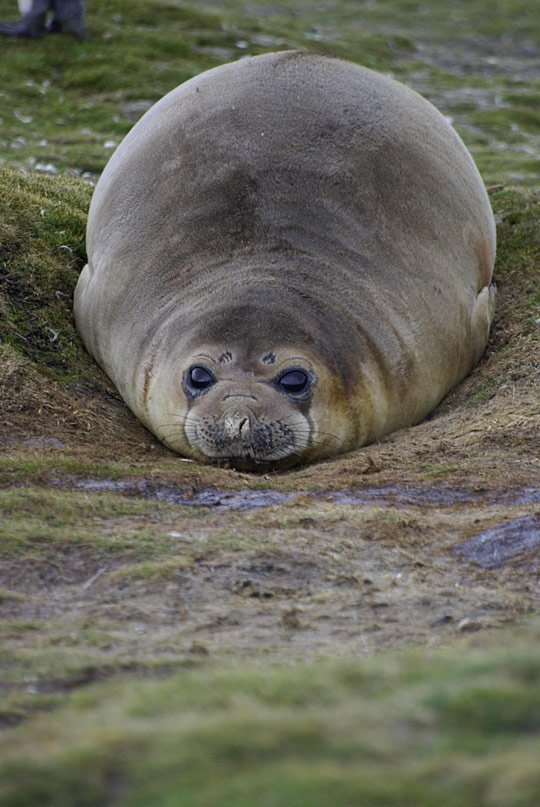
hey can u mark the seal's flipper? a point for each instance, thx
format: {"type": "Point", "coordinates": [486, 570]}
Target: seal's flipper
{"type": "Point", "coordinates": [482, 316]}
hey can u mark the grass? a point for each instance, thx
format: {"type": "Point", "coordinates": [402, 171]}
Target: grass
{"type": "Point", "coordinates": [419, 728]}
{"type": "Point", "coordinates": [42, 250]}
{"type": "Point", "coordinates": [65, 104]}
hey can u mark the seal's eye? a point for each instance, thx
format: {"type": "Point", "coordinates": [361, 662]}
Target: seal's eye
{"type": "Point", "coordinates": [294, 382]}
{"type": "Point", "coordinates": [199, 378]}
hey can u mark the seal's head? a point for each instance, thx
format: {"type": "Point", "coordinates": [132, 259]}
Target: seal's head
{"type": "Point", "coordinates": [265, 411]}
{"type": "Point", "coordinates": [249, 399]}
{"type": "Point", "coordinates": [251, 411]}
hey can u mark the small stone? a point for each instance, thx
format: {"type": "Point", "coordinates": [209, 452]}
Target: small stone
{"type": "Point", "coordinates": [442, 620]}
{"type": "Point", "coordinates": [198, 649]}
{"type": "Point", "coordinates": [46, 168]}
{"type": "Point", "coordinates": [23, 118]}
{"type": "Point", "coordinates": [467, 625]}
{"type": "Point", "coordinates": [290, 620]}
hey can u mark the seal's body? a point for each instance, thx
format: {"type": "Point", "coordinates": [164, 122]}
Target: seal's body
{"type": "Point", "coordinates": [289, 256]}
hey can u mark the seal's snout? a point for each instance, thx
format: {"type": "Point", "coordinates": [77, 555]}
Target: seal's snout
{"type": "Point", "coordinates": [238, 429]}
{"type": "Point", "coordinates": [241, 433]}
{"type": "Point", "coordinates": [238, 426]}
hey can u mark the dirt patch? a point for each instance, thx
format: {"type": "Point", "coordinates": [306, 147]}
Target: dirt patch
{"type": "Point", "coordinates": [245, 499]}
{"type": "Point", "coordinates": [38, 411]}
{"type": "Point", "coordinates": [307, 577]}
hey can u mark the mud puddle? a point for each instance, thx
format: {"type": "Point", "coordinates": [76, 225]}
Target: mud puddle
{"type": "Point", "coordinates": [431, 497]}
{"type": "Point", "coordinates": [396, 496]}
{"type": "Point", "coordinates": [246, 499]}
{"type": "Point", "coordinates": [497, 546]}
{"type": "Point", "coordinates": [428, 497]}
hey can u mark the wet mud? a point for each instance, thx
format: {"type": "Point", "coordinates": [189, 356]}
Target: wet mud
{"type": "Point", "coordinates": [495, 547]}
{"type": "Point", "coordinates": [395, 496]}
{"type": "Point", "coordinates": [204, 497]}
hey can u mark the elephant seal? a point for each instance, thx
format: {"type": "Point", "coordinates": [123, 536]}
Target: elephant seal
{"type": "Point", "coordinates": [288, 257]}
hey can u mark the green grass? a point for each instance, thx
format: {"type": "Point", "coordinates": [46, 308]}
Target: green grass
{"type": "Point", "coordinates": [518, 252]}
{"type": "Point", "coordinates": [65, 103]}
{"type": "Point", "coordinates": [73, 91]}
{"type": "Point", "coordinates": [39, 524]}
{"type": "Point", "coordinates": [417, 728]}
{"type": "Point", "coordinates": [42, 249]}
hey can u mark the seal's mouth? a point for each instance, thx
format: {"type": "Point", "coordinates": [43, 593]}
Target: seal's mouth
{"type": "Point", "coordinates": [252, 465]}
{"type": "Point", "coordinates": [246, 442]}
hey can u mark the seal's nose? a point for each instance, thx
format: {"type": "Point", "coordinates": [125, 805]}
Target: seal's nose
{"type": "Point", "coordinates": [237, 426]}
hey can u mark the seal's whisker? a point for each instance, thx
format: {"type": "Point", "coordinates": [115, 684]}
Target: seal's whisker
{"type": "Point", "coordinates": [177, 429]}
{"type": "Point", "coordinates": [174, 424]}
{"type": "Point", "coordinates": [170, 435]}
{"type": "Point", "coordinates": [319, 433]}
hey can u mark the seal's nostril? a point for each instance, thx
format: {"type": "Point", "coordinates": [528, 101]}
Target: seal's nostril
{"type": "Point", "coordinates": [244, 428]}
{"type": "Point", "coordinates": [237, 426]}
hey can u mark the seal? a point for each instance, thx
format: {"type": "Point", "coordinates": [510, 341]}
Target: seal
{"type": "Point", "coordinates": [289, 256]}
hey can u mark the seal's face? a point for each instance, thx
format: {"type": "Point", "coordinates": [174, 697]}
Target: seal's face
{"type": "Point", "coordinates": [246, 413]}
{"type": "Point", "coordinates": [253, 412]}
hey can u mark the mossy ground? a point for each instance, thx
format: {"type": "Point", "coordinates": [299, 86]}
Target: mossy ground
{"type": "Point", "coordinates": [64, 104]}
{"type": "Point", "coordinates": [420, 730]}
{"type": "Point", "coordinates": [102, 588]}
